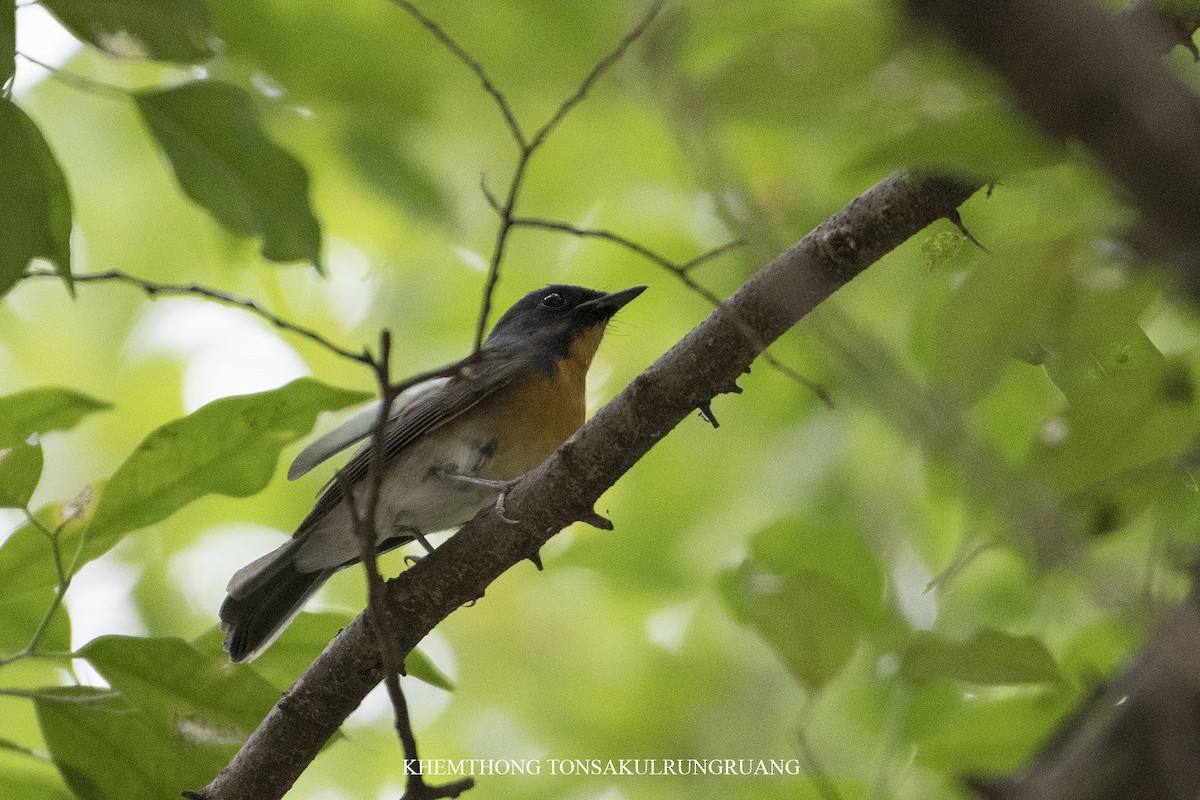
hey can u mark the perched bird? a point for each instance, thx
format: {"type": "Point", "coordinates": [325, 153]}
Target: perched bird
{"type": "Point", "coordinates": [447, 453]}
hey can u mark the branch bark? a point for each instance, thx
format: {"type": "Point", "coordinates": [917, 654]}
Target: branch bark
{"type": "Point", "coordinates": [1086, 75]}
{"type": "Point", "coordinates": [705, 363]}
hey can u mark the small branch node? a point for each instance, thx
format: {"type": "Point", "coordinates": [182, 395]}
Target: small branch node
{"type": "Point", "coordinates": [596, 520]}
{"type": "Point", "coordinates": [706, 413]}
{"type": "Point", "coordinates": [839, 245]}
{"type": "Point", "coordinates": [536, 559]}
{"type": "Point", "coordinates": [487, 194]}
{"type": "Point", "coordinates": [956, 220]}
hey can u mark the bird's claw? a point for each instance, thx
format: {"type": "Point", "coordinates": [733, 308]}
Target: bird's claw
{"type": "Point", "coordinates": [501, 488]}
{"type": "Point", "coordinates": [500, 498]}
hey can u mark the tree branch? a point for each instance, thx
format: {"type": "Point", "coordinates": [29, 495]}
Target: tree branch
{"type": "Point", "coordinates": [705, 363]}
{"type": "Point", "coordinates": [527, 147]}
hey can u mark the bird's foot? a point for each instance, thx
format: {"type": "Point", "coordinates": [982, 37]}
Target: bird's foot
{"type": "Point", "coordinates": [501, 488]}
{"type": "Point", "coordinates": [420, 537]}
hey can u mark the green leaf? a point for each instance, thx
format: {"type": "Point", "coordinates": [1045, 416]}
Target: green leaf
{"type": "Point", "coordinates": [303, 640]}
{"type": "Point", "coordinates": [991, 657]}
{"type": "Point", "coordinates": [229, 447]}
{"type": "Point", "coordinates": [223, 160]}
{"type": "Point", "coordinates": [107, 750]}
{"type": "Point", "coordinates": [186, 691]}
{"type": "Point", "coordinates": [421, 667]}
{"type": "Point", "coordinates": [986, 735]}
{"type": "Point", "coordinates": [1125, 420]}
{"type": "Point", "coordinates": [20, 471]}
{"type": "Point", "coordinates": [985, 142]}
{"type": "Point", "coordinates": [806, 618]}
{"type": "Point", "coordinates": [43, 410]}
{"type": "Point", "coordinates": [1003, 309]}
{"type": "Point", "coordinates": [26, 557]}
{"type": "Point", "coordinates": [8, 43]}
{"type": "Point", "coordinates": [1099, 650]}
{"type": "Point", "coordinates": [34, 201]}
{"type": "Point", "coordinates": [164, 30]}
{"type": "Point", "coordinates": [30, 579]}
{"type": "Point", "coordinates": [28, 778]}
{"type": "Point", "coordinates": [796, 544]}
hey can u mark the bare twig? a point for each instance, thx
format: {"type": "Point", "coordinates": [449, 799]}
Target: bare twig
{"type": "Point", "coordinates": [817, 774]}
{"type": "Point", "coordinates": [602, 66]}
{"type": "Point", "coordinates": [683, 273]}
{"type": "Point", "coordinates": [472, 64]}
{"type": "Point", "coordinates": [365, 525]}
{"type": "Point", "coordinates": [154, 288]}
{"type": "Point", "coordinates": [526, 147]}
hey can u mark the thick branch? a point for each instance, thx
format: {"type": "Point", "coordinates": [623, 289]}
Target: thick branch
{"type": "Point", "coordinates": [1085, 75]}
{"type": "Point", "coordinates": [705, 363]}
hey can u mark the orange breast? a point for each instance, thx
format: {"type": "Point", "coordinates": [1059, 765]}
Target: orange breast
{"type": "Point", "coordinates": [531, 422]}
{"type": "Point", "coordinates": [538, 415]}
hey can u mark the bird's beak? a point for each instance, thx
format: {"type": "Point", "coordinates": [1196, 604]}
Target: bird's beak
{"type": "Point", "coordinates": [610, 304]}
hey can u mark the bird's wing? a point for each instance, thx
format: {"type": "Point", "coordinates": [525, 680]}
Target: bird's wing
{"type": "Point", "coordinates": [355, 429]}
{"type": "Point", "coordinates": [426, 412]}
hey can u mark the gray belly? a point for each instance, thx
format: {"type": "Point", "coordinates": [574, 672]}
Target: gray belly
{"type": "Point", "coordinates": [413, 496]}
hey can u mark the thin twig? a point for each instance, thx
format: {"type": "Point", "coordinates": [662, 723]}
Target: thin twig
{"type": "Point", "coordinates": [472, 64]}
{"type": "Point", "coordinates": [77, 81]}
{"type": "Point", "coordinates": [365, 525]}
{"type": "Point", "coordinates": [154, 288]}
{"type": "Point", "coordinates": [13, 747]}
{"type": "Point", "coordinates": [704, 258]}
{"type": "Point", "coordinates": [602, 66]}
{"type": "Point", "coordinates": [64, 583]}
{"type": "Point", "coordinates": [682, 272]}
{"type": "Point", "coordinates": [526, 147]}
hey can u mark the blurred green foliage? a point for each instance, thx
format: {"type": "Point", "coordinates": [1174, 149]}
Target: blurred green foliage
{"type": "Point", "coordinates": [910, 587]}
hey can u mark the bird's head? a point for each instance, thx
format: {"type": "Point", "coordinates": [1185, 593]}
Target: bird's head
{"type": "Point", "coordinates": [560, 321]}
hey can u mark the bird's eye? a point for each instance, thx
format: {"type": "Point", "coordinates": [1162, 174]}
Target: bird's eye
{"type": "Point", "coordinates": [553, 300]}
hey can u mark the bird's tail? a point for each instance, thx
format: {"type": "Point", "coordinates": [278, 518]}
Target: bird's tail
{"type": "Point", "coordinates": [264, 596]}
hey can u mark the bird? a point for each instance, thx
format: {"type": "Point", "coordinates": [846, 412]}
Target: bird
{"type": "Point", "coordinates": [451, 450]}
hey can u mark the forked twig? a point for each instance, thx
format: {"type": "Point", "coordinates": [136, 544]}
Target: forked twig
{"type": "Point", "coordinates": [527, 147]}
{"type": "Point", "coordinates": [365, 526]}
